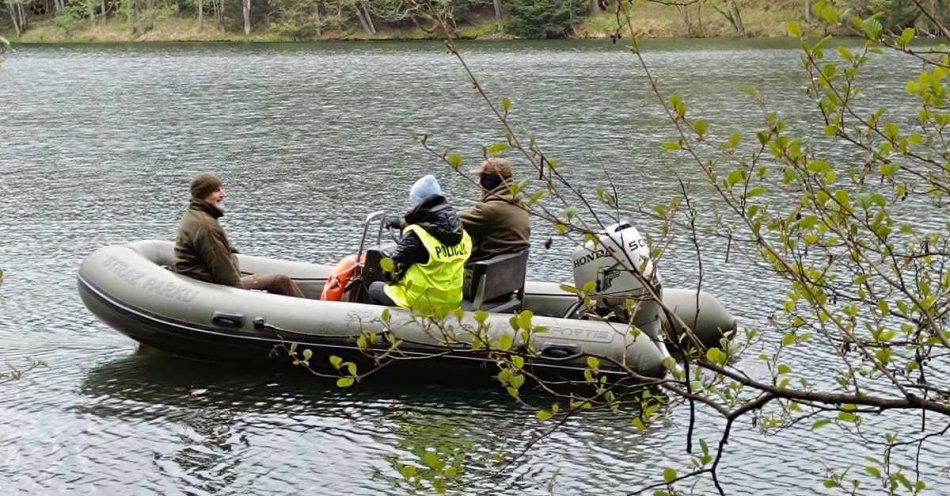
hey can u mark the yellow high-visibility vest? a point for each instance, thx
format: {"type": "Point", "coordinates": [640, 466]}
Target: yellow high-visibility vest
{"type": "Point", "coordinates": [437, 283]}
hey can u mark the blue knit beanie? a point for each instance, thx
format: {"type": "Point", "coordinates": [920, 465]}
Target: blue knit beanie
{"type": "Point", "coordinates": [425, 186]}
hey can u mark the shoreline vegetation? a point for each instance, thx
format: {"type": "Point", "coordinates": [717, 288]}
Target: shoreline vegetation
{"type": "Point", "coordinates": [180, 22]}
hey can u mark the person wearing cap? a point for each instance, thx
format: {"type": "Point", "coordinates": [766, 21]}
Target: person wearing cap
{"type": "Point", "coordinates": [203, 251]}
{"type": "Point", "coordinates": [429, 258]}
{"type": "Point", "coordinates": [498, 224]}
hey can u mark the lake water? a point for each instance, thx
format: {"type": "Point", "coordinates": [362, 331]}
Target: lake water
{"type": "Point", "coordinates": [97, 143]}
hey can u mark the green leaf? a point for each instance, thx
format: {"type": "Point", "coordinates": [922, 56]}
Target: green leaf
{"type": "Point", "coordinates": [593, 362]}
{"type": "Point", "coordinates": [544, 415]}
{"type": "Point", "coordinates": [568, 288]}
{"type": "Point", "coordinates": [307, 354]}
{"type": "Point", "coordinates": [516, 381]}
{"type": "Point", "coordinates": [906, 37]}
{"type": "Point", "coordinates": [505, 342]}
{"type": "Point", "coordinates": [715, 355]}
{"type": "Point", "coordinates": [455, 160]}
{"type": "Point", "coordinates": [735, 177]}
{"type": "Point", "coordinates": [784, 369]}
{"type": "Point", "coordinates": [386, 316]}
{"type": "Point", "coordinates": [827, 12]}
{"type": "Point", "coordinates": [481, 316]}
{"type": "Point", "coordinates": [669, 474]}
{"type": "Point", "coordinates": [344, 382]}
{"type": "Point", "coordinates": [759, 191]}
{"type": "Point", "coordinates": [820, 423]}
{"type": "Point", "coordinates": [407, 471]}
{"type": "Point", "coordinates": [672, 146]}
{"type": "Point", "coordinates": [892, 131]}
{"type": "Point", "coordinates": [872, 28]}
{"type": "Point", "coordinates": [795, 30]}
{"type": "Point", "coordinates": [701, 126]}
{"type": "Point", "coordinates": [735, 140]}
{"type": "Point", "coordinates": [506, 104]}
{"type": "Point", "coordinates": [524, 319]}
{"type": "Point", "coordinates": [336, 361]}
{"type": "Point", "coordinates": [387, 264]}
{"type": "Point", "coordinates": [846, 53]}
{"type": "Point", "coordinates": [496, 148]}
{"type": "Point", "coordinates": [432, 460]}
{"type": "Point", "coordinates": [517, 361]}
{"type": "Point", "coordinates": [873, 471]}
{"type": "Point", "coordinates": [847, 417]}
{"type": "Point", "coordinates": [678, 105]}
{"type": "Point", "coordinates": [536, 197]}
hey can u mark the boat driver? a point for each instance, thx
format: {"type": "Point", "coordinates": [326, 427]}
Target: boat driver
{"type": "Point", "coordinates": [203, 251]}
{"type": "Point", "coordinates": [429, 259]}
{"type": "Point", "coordinates": [498, 223]}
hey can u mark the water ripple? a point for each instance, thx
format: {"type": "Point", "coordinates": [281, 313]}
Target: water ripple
{"type": "Point", "coordinates": [309, 138]}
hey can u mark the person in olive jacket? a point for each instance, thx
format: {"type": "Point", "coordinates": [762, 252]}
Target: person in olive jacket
{"type": "Point", "coordinates": [203, 251]}
{"type": "Point", "coordinates": [498, 224]}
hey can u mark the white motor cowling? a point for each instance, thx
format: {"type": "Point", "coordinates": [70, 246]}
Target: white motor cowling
{"type": "Point", "coordinates": [611, 264]}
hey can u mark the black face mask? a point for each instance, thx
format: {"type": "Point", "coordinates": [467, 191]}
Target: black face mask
{"type": "Point", "coordinates": [489, 181]}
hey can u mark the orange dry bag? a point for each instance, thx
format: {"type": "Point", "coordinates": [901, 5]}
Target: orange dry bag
{"type": "Point", "coordinates": [335, 286]}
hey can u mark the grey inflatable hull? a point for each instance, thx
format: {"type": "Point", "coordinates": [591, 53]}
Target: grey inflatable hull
{"type": "Point", "coordinates": [701, 311]}
{"type": "Point", "coordinates": [128, 288]}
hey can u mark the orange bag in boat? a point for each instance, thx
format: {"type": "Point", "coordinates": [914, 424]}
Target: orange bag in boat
{"type": "Point", "coordinates": [335, 286]}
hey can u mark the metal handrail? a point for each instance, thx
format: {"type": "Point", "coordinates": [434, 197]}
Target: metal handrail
{"type": "Point", "coordinates": [379, 214]}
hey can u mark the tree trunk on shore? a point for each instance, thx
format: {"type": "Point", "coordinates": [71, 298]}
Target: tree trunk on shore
{"type": "Point", "coordinates": [317, 22]}
{"type": "Point", "coordinates": [14, 17]}
{"type": "Point", "coordinates": [369, 19]}
{"type": "Point", "coordinates": [731, 12]}
{"type": "Point", "coordinates": [807, 10]}
{"type": "Point", "coordinates": [201, 15]}
{"type": "Point", "coordinates": [247, 17]}
{"type": "Point", "coordinates": [150, 16]}
{"type": "Point", "coordinates": [359, 15]}
{"type": "Point", "coordinates": [740, 27]}
{"type": "Point", "coordinates": [24, 20]}
{"type": "Point", "coordinates": [499, 17]}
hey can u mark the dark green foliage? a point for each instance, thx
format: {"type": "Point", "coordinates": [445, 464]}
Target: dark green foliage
{"type": "Point", "coordinates": [896, 14]}
{"type": "Point", "coordinates": [544, 18]}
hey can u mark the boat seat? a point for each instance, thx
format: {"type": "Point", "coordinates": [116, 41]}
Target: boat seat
{"type": "Point", "coordinates": [496, 284]}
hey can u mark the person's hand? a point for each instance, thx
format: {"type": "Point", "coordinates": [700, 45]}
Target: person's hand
{"type": "Point", "coordinates": [395, 224]}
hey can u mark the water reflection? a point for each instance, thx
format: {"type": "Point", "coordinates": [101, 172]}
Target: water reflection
{"type": "Point", "coordinates": [222, 424]}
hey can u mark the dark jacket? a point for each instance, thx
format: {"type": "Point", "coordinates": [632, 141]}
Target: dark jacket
{"type": "Point", "coordinates": [202, 249]}
{"type": "Point", "coordinates": [438, 218]}
{"type": "Point", "coordinates": [497, 224]}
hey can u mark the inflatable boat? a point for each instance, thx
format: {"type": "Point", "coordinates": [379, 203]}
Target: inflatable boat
{"type": "Point", "coordinates": [131, 288]}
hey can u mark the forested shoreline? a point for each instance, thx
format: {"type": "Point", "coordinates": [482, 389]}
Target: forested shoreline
{"type": "Point", "coordinates": [302, 20]}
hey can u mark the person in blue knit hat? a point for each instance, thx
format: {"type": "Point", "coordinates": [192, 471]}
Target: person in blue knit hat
{"type": "Point", "coordinates": [430, 256]}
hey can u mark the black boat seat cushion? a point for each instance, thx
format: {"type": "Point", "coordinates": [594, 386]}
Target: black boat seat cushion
{"type": "Point", "coordinates": [496, 284]}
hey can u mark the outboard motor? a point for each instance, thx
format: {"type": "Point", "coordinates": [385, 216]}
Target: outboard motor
{"type": "Point", "coordinates": [611, 264]}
